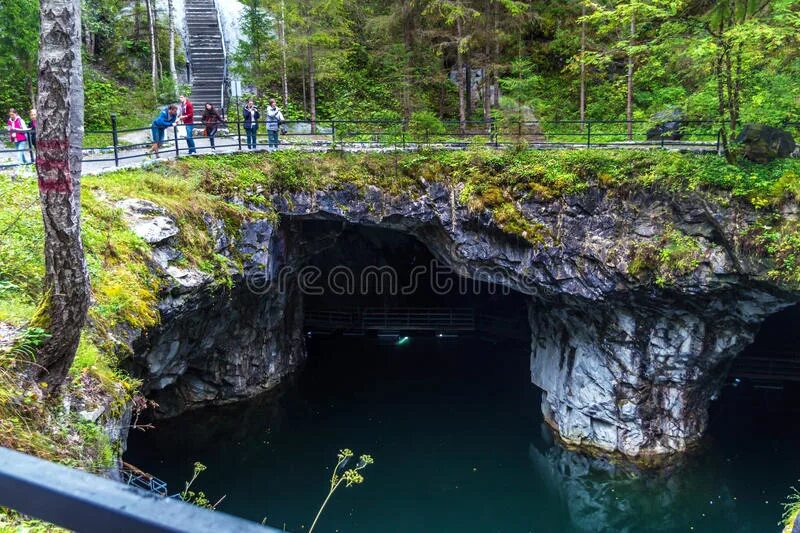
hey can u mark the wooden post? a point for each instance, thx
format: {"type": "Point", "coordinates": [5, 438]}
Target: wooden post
{"type": "Point", "coordinates": [115, 138]}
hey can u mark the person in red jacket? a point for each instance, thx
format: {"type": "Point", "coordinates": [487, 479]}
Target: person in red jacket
{"type": "Point", "coordinates": [186, 116]}
{"type": "Point", "coordinates": [17, 130]}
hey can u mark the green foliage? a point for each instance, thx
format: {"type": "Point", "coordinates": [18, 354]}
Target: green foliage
{"type": "Point", "coordinates": [679, 254]}
{"type": "Point", "coordinates": [779, 239]}
{"type": "Point", "coordinates": [425, 125]}
{"type": "Point", "coordinates": [673, 255]}
{"type": "Point", "coordinates": [19, 38]}
{"type": "Point", "coordinates": [197, 497]}
{"type": "Point", "coordinates": [27, 344]}
{"type": "Point", "coordinates": [101, 98]}
{"type": "Point", "coordinates": [791, 510]}
{"type": "Point", "coordinates": [341, 474]}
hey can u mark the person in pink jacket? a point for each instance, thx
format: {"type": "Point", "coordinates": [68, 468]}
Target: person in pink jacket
{"type": "Point", "coordinates": [17, 129]}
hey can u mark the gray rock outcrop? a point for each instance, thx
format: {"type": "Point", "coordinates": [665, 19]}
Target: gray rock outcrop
{"type": "Point", "coordinates": [627, 365]}
{"type": "Point", "coordinates": [763, 144]}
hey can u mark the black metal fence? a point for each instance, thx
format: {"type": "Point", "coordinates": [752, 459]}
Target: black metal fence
{"type": "Point", "coordinates": [117, 147]}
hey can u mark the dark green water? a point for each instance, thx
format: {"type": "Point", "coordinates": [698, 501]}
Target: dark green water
{"type": "Point", "coordinates": [459, 445]}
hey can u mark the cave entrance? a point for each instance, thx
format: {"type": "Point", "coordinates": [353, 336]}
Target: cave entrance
{"type": "Point", "coordinates": [762, 387]}
{"type": "Point", "coordinates": [386, 284]}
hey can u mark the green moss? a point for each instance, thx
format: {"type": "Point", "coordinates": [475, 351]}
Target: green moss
{"type": "Point", "coordinates": [778, 238]}
{"type": "Point", "coordinates": [679, 255]}
{"type": "Point", "coordinates": [675, 254]}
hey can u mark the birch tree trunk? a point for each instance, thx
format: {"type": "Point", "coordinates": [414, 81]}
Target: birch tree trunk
{"type": "Point", "coordinates": [58, 165]}
{"type": "Point", "coordinates": [462, 107]}
{"type": "Point", "coordinates": [582, 104]}
{"type": "Point", "coordinates": [151, 24]}
{"type": "Point", "coordinates": [495, 75]}
{"type": "Point", "coordinates": [629, 105]}
{"type": "Point", "coordinates": [284, 75]}
{"type": "Point", "coordinates": [312, 92]}
{"type": "Point", "coordinates": [173, 72]}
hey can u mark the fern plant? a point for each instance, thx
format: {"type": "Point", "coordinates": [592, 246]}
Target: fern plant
{"type": "Point", "coordinates": [25, 347]}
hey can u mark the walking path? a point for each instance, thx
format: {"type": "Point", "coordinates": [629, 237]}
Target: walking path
{"type": "Point", "coordinates": [134, 155]}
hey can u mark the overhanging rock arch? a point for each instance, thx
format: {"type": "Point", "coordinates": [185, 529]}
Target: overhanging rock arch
{"type": "Point", "coordinates": [628, 358]}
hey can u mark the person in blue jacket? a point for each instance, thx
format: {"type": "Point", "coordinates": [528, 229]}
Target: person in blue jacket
{"type": "Point", "coordinates": [166, 119]}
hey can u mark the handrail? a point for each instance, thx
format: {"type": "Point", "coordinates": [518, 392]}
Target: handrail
{"type": "Point", "coordinates": [80, 501]}
{"type": "Point", "coordinates": [400, 135]}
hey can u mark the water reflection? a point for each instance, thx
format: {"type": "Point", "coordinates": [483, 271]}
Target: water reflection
{"type": "Point", "coordinates": [600, 495]}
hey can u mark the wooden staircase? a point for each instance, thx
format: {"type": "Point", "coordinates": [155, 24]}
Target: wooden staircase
{"type": "Point", "coordinates": [207, 54]}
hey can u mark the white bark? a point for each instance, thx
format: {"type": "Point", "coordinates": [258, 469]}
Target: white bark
{"type": "Point", "coordinates": [173, 72]}
{"type": "Point", "coordinates": [284, 74]}
{"type": "Point", "coordinates": [58, 165]}
{"type": "Point", "coordinates": [151, 25]}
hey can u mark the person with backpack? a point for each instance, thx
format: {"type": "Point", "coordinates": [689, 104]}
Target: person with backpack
{"type": "Point", "coordinates": [187, 119]}
{"type": "Point", "coordinates": [212, 120]}
{"type": "Point", "coordinates": [274, 121]}
{"type": "Point", "coordinates": [17, 129]}
{"type": "Point", "coordinates": [251, 116]}
{"type": "Point", "coordinates": [164, 120]}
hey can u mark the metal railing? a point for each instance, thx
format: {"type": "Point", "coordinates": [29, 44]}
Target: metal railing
{"type": "Point", "coordinates": [125, 145]}
{"type": "Point", "coordinates": [415, 319]}
{"type": "Point", "coordinates": [137, 478]}
{"type": "Point", "coordinates": [83, 502]}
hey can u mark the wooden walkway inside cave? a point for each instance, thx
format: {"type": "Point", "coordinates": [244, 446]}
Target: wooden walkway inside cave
{"type": "Point", "coordinates": [768, 368]}
{"type": "Point", "coordinates": [440, 321]}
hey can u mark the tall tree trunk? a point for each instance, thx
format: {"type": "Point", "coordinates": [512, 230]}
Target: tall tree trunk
{"type": "Point", "coordinates": [468, 96]}
{"type": "Point", "coordinates": [721, 100]}
{"type": "Point", "coordinates": [737, 86]}
{"type": "Point", "coordinates": [582, 103]}
{"type": "Point", "coordinates": [408, 42]}
{"type": "Point", "coordinates": [462, 107]}
{"type": "Point", "coordinates": [495, 74]}
{"type": "Point", "coordinates": [173, 72]}
{"type": "Point", "coordinates": [31, 91]}
{"type": "Point", "coordinates": [312, 92]}
{"type": "Point", "coordinates": [487, 104]}
{"type": "Point", "coordinates": [153, 54]}
{"type": "Point", "coordinates": [487, 79]}
{"type": "Point", "coordinates": [284, 74]}
{"type": "Point", "coordinates": [629, 106]}
{"type": "Point", "coordinates": [305, 93]}
{"type": "Point", "coordinates": [58, 165]}
{"type": "Point", "coordinates": [137, 20]}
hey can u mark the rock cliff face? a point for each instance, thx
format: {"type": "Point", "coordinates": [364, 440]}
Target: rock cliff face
{"type": "Point", "coordinates": [218, 343]}
{"type": "Point", "coordinates": [638, 304]}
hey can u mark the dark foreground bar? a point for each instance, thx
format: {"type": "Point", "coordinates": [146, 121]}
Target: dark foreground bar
{"type": "Point", "coordinates": [83, 502]}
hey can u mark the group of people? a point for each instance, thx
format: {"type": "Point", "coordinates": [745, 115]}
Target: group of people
{"type": "Point", "coordinates": [23, 136]}
{"type": "Point", "coordinates": [212, 121]}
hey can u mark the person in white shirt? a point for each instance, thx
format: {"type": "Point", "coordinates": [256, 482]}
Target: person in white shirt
{"type": "Point", "coordinates": [274, 121]}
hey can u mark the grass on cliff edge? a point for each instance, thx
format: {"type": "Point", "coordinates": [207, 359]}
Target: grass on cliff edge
{"type": "Point", "coordinates": [124, 297]}
{"type": "Point", "coordinates": [125, 289]}
{"type": "Point", "coordinates": [499, 180]}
